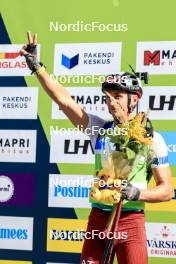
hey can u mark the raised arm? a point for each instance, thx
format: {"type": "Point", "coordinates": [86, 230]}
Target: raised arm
{"type": "Point", "coordinates": [55, 90]}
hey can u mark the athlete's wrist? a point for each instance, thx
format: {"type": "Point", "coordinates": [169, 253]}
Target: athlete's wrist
{"type": "Point", "coordinates": [130, 193]}
{"type": "Point", "coordinates": [40, 70]}
{"type": "Point", "coordinates": [141, 195]}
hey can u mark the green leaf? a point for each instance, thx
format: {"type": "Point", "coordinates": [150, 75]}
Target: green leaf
{"type": "Point", "coordinates": [130, 153]}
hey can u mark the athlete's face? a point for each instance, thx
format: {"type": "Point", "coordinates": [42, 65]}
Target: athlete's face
{"type": "Point", "coordinates": [115, 98]}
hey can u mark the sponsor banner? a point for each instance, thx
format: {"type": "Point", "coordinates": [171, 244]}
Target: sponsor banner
{"type": "Point", "coordinates": [11, 63]}
{"type": "Point", "coordinates": [161, 240]}
{"type": "Point", "coordinates": [164, 206]}
{"type": "Point", "coordinates": [18, 103]}
{"type": "Point", "coordinates": [87, 58]}
{"type": "Point", "coordinates": [14, 262]}
{"type": "Point", "coordinates": [16, 189]}
{"type": "Point", "coordinates": [156, 57]}
{"type": "Point", "coordinates": [91, 99]}
{"type": "Point", "coordinates": [65, 235]}
{"type": "Point", "coordinates": [69, 190]}
{"type": "Point", "coordinates": [161, 100]}
{"type": "Point", "coordinates": [16, 233]}
{"type": "Point", "coordinates": [18, 145]}
{"type": "Point", "coordinates": [170, 139]}
{"type": "Point", "coordinates": [70, 147]}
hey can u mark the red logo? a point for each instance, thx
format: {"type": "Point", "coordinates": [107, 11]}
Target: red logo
{"type": "Point", "coordinates": [9, 55]}
{"type": "Point", "coordinates": [165, 232]}
{"type": "Point", "coordinates": [11, 64]}
{"type": "Point", "coordinates": [152, 57]}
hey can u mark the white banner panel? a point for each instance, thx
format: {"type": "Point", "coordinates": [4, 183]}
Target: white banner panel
{"type": "Point", "coordinates": [87, 58]}
{"type": "Point", "coordinates": [11, 63]}
{"type": "Point", "coordinates": [18, 145]}
{"type": "Point", "coordinates": [70, 147]}
{"type": "Point", "coordinates": [156, 57]}
{"type": "Point", "coordinates": [91, 99]}
{"type": "Point", "coordinates": [161, 240]}
{"type": "Point", "coordinates": [18, 102]}
{"type": "Point", "coordinates": [16, 233]}
{"type": "Point", "coordinates": [160, 101]}
{"type": "Point", "coordinates": [69, 190]}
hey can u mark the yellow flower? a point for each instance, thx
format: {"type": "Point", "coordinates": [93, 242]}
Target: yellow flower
{"type": "Point", "coordinates": [137, 130]}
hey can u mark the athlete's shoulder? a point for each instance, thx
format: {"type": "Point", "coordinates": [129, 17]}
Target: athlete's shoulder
{"type": "Point", "coordinates": [158, 138]}
{"type": "Point", "coordinates": [94, 125]}
{"type": "Point", "coordinates": [160, 149]}
{"type": "Point", "coordinates": [94, 119]}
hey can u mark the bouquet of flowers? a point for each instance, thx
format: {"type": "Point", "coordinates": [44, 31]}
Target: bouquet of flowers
{"type": "Point", "coordinates": [117, 166]}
